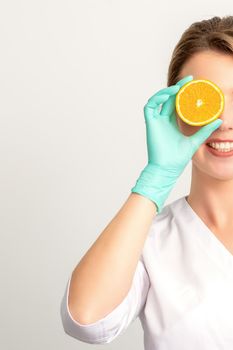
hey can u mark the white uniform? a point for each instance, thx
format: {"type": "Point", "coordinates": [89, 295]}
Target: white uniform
{"type": "Point", "coordinates": [182, 289]}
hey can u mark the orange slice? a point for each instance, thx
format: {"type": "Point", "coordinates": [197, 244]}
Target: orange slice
{"type": "Point", "coordinates": [199, 102]}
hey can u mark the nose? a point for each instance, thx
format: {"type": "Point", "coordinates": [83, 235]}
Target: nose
{"type": "Point", "coordinates": [227, 114]}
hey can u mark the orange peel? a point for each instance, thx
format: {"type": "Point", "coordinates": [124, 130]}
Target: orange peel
{"type": "Point", "coordinates": [199, 102]}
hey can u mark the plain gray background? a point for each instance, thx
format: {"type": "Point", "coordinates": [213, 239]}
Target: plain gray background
{"type": "Point", "coordinates": [75, 76]}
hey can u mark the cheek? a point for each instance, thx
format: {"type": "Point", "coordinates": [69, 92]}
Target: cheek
{"type": "Point", "coordinates": [186, 129]}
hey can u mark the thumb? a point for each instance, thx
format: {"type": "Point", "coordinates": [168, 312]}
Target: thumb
{"type": "Point", "coordinates": [201, 135]}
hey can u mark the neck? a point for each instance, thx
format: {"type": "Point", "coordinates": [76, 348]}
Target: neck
{"type": "Point", "coordinates": [212, 199]}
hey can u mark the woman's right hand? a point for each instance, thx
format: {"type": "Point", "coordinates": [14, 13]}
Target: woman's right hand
{"type": "Point", "coordinates": [169, 151]}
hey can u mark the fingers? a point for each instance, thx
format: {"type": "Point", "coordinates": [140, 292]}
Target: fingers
{"type": "Point", "coordinates": [166, 97]}
{"type": "Point", "coordinates": [170, 90]}
{"type": "Point", "coordinates": [151, 109]}
{"type": "Point", "coordinates": [202, 134]}
{"type": "Point", "coordinates": [169, 106]}
{"type": "Point", "coordinates": [184, 80]}
{"type": "Point", "coordinates": [156, 100]}
{"type": "Point", "coordinates": [160, 97]}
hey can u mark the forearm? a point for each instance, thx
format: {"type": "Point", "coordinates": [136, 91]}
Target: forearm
{"type": "Point", "coordinates": [104, 275]}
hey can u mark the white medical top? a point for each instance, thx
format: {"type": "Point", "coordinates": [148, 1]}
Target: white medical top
{"type": "Point", "coordinates": [182, 290]}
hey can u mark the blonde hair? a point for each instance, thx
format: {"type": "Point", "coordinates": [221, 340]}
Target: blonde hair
{"type": "Point", "coordinates": [215, 34]}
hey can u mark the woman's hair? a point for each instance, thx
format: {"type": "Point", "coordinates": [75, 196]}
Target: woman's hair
{"type": "Point", "coordinates": [212, 34]}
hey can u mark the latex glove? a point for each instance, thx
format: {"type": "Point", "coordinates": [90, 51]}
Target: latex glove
{"type": "Point", "coordinates": [169, 150]}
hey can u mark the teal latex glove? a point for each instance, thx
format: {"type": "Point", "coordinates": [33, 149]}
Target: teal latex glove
{"type": "Point", "coordinates": [169, 150]}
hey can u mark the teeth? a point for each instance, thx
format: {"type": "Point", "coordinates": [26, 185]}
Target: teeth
{"type": "Point", "coordinates": [222, 146]}
{"type": "Point", "coordinates": [223, 150]}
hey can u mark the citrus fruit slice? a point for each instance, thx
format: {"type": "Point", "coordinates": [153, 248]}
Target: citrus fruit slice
{"type": "Point", "coordinates": [199, 102]}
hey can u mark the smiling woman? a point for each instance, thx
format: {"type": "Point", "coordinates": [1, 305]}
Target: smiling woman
{"type": "Point", "coordinates": [170, 265]}
{"type": "Point", "coordinates": [205, 50]}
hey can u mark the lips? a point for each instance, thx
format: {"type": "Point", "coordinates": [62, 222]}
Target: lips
{"type": "Point", "coordinates": [218, 140]}
{"type": "Point", "coordinates": [218, 154]}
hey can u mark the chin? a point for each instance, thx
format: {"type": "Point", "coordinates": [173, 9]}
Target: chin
{"type": "Point", "coordinates": [212, 170]}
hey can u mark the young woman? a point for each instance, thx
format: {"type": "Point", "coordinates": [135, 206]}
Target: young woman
{"type": "Point", "coordinates": [171, 266]}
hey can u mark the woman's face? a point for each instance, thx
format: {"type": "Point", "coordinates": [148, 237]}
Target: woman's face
{"type": "Point", "coordinates": [217, 67]}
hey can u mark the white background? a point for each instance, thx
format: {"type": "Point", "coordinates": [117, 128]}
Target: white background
{"type": "Point", "coordinates": [74, 77]}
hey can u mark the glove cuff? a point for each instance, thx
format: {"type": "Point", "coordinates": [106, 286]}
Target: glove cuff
{"type": "Point", "coordinates": [155, 183]}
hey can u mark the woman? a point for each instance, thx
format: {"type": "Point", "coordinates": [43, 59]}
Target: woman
{"type": "Point", "coordinates": [171, 266]}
